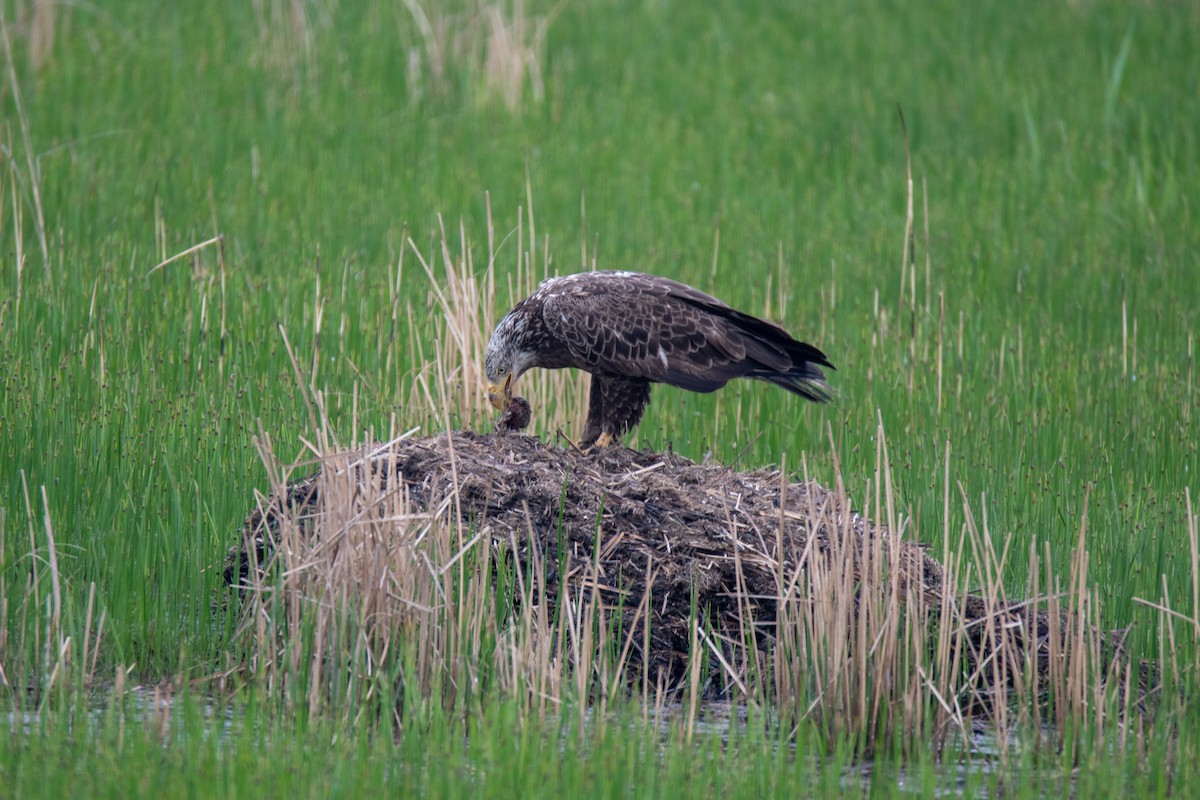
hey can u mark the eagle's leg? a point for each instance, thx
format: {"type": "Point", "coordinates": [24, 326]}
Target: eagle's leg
{"type": "Point", "coordinates": [614, 407]}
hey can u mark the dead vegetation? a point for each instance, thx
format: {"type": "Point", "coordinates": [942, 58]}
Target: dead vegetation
{"type": "Point", "coordinates": [500, 560]}
{"type": "Point", "coordinates": [623, 523]}
{"type": "Point", "coordinates": [443, 568]}
{"type": "Point", "coordinates": [489, 53]}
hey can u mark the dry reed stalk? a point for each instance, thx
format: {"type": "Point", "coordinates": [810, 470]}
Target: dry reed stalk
{"type": "Point", "coordinates": [31, 182]}
{"type": "Point", "coordinates": [374, 596]}
{"type": "Point", "coordinates": [500, 46]}
{"type": "Point", "coordinates": [532, 590]}
{"type": "Point", "coordinates": [287, 31]}
{"type": "Point", "coordinates": [848, 631]}
{"type": "Point", "coordinates": [469, 306]}
{"type": "Point", "coordinates": [41, 653]}
{"type": "Point", "coordinates": [354, 595]}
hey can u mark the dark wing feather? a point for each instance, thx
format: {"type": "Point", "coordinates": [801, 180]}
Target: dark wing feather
{"type": "Point", "coordinates": [799, 372]}
{"type": "Point", "coordinates": [618, 326]}
{"type": "Point", "coordinates": [643, 326]}
{"type": "Point", "coordinates": [766, 333]}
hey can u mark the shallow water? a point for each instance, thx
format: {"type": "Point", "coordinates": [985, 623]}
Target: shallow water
{"type": "Point", "coordinates": [156, 706]}
{"type": "Point", "coordinates": [138, 703]}
{"type": "Point", "coordinates": [728, 720]}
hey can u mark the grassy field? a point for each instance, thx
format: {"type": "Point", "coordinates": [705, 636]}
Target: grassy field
{"type": "Point", "coordinates": [1037, 344]}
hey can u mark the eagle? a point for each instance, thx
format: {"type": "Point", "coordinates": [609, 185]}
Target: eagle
{"type": "Point", "coordinates": [630, 330]}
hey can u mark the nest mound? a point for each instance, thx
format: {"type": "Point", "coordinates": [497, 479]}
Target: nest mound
{"type": "Point", "coordinates": [631, 524]}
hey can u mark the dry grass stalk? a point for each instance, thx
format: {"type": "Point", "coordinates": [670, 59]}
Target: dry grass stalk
{"type": "Point", "coordinates": [37, 22]}
{"type": "Point", "coordinates": [40, 656]}
{"type": "Point", "coordinates": [30, 182]}
{"type": "Point", "coordinates": [41, 32]}
{"type": "Point", "coordinates": [515, 46]}
{"type": "Point", "coordinates": [379, 596]}
{"type": "Point", "coordinates": [287, 31]}
{"type": "Point", "coordinates": [647, 570]}
{"type": "Point", "coordinates": [498, 45]}
{"type": "Point", "coordinates": [497, 561]}
{"type": "Point", "coordinates": [471, 301]}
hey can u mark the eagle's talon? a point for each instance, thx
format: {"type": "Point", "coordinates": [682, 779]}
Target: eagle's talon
{"type": "Point", "coordinates": [602, 442]}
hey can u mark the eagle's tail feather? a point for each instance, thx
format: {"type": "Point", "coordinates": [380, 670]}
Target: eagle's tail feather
{"type": "Point", "coordinates": [806, 380]}
{"type": "Point", "coordinates": [805, 376]}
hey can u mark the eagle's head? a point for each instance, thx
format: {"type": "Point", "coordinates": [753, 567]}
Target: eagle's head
{"type": "Point", "coordinates": [509, 354]}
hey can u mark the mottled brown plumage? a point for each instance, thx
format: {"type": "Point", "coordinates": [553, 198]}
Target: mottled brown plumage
{"type": "Point", "coordinates": [630, 330]}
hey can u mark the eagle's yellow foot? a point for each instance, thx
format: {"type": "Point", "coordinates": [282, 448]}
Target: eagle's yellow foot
{"type": "Point", "coordinates": [601, 442]}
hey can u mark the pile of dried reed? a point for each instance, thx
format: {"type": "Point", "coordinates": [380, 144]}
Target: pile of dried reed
{"type": "Point", "coordinates": [777, 582]}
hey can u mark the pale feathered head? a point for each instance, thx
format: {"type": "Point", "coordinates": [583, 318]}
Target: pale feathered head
{"type": "Point", "coordinates": [508, 356]}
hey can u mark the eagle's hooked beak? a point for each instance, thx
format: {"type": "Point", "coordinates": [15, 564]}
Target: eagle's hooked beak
{"type": "Point", "coordinates": [500, 396]}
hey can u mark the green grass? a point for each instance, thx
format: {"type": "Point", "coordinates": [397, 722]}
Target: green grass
{"type": "Point", "coordinates": [197, 750]}
{"type": "Point", "coordinates": [1056, 145]}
